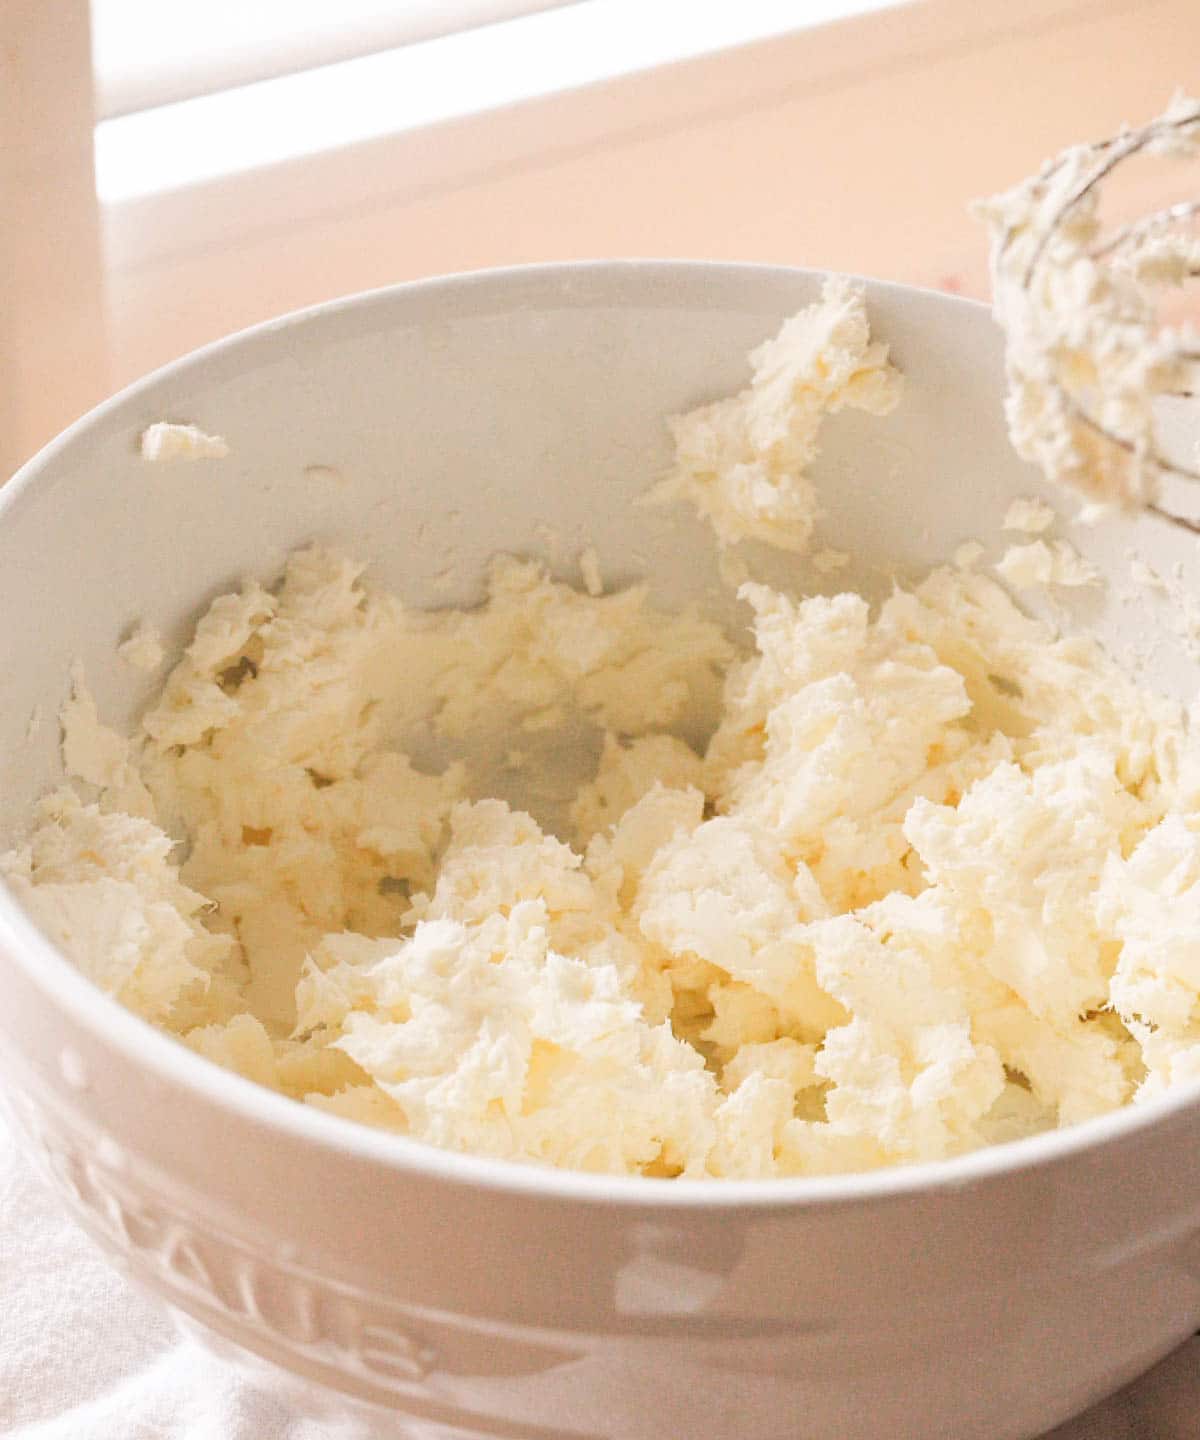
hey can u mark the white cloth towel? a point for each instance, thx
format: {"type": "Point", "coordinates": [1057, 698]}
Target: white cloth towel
{"type": "Point", "coordinates": [85, 1356]}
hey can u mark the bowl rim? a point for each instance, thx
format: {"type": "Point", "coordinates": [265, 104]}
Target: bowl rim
{"type": "Point", "coordinates": [108, 1023]}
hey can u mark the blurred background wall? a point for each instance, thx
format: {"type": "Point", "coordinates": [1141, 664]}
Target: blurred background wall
{"type": "Point", "coordinates": [321, 149]}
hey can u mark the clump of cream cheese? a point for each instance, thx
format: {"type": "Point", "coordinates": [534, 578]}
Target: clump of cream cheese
{"type": "Point", "coordinates": [894, 885]}
{"type": "Point", "coordinates": [164, 441]}
{"type": "Point", "coordinates": [742, 461]}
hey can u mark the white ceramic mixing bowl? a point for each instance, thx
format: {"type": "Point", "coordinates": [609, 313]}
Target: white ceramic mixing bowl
{"type": "Point", "coordinates": [428, 426]}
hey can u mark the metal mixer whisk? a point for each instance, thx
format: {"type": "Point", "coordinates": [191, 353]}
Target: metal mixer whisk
{"type": "Point", "coordinates": [1087, 352]}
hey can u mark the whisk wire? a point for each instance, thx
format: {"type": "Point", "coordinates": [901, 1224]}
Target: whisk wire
{"type": "Point", "coordinates": [1145, 239]}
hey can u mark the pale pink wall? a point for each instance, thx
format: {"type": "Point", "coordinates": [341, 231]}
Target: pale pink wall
{"type": "Point", "coordinates": [856, 146]}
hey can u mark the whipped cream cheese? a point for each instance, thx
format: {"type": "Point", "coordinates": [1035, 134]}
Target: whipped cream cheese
{"type": "Point", "coordinates": [892, 885]}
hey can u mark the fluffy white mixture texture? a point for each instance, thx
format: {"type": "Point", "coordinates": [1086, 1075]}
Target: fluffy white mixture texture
{"type": "Point", "coordinates": [1087, 355]}
{"type": "Point", "coordinates": [742, 461]}
{"type": "Point", "coordinates": [931, 882]}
